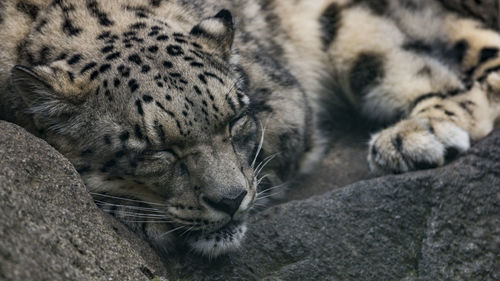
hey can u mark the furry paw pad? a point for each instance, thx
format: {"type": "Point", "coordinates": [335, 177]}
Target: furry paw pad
{"type": "Point", "coordinates": [416, 144]}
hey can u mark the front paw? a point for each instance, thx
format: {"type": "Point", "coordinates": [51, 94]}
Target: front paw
{"type": "Point", "coordinates": [415, 144]}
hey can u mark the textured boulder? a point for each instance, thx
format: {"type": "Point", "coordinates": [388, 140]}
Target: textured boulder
{"type": "Point", "coordinates": [441, 224]}
{"type": "Point", "coordinates": [344, 164]}
{"type": "Point", "coordinates": [50, 229]}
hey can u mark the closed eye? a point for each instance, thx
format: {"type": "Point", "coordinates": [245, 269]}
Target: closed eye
{"type": "Point", "coordinates": [238, 122]}
{"type": "Point", "coordinates": [243, 130]}
{"type": "Point", "coordinates": [158, 154]}
{"type": "Point", "coordinates": [152, 163]}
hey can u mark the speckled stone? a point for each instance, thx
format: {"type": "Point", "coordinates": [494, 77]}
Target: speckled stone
{"type": "Point", "coordinates": [50, 229]}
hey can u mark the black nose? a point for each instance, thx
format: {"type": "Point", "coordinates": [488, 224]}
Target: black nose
{"type": "Point", "coordinates": [228, 204]}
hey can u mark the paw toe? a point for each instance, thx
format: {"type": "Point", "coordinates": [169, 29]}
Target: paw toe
{"type": "Point", "coordinates": [415, 145]}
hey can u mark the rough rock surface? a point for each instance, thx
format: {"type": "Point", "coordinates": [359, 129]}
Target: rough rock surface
{"type": "Point", "coordinates": [441, 224]}
{"type": "Point", "coordinates": [344, 164]}
{"type": "Point", "coordinates": [50, 229]}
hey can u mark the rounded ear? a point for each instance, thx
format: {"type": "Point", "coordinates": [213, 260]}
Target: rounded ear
{"type": "Point", "coordinates": [40, 88]}
{"type": "Point", "coordinates": [216, 32]}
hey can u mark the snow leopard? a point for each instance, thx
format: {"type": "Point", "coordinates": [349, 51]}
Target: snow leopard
{"type": "Point", "coordinates": [181, 115]}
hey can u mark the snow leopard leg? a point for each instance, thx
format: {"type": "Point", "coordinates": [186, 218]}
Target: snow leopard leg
{"type": "Point", "coordinates": [394, 76]}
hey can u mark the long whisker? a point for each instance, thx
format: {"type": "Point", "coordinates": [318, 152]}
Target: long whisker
{"type": "Point", "coordinates": [172, 230]}
{"type": "Point", "coordinates": [125, 199]}
{"type": "Point", "coordinates": [265, 163]}
{"type": "Point", "coordinates": [259, 204]}
{"type": "Point", "coordinates": [262, 178]}
{"type": "Point", "coordinates": [104, 203]}
{"type": "Point", "coordinates": [126, 212]}
{"type": "Point", "coordinates": [263, 130]}
{"type": "Point", "coordinates": [186, 231]}
{"type": "Point", "coordinates": [269, 195]}
{"type": "Point", "coordinates": [261, 162]}
{"type": "Point", "coordinates": [141, 217]}
{"type": "Point", "coordinates": [271, 188]}
{"type": "Point", "coordinates": [137, 215]}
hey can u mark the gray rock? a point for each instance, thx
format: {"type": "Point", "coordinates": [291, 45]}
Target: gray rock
{"type": "Point", "coordinates": [344, 164]}
{"type": "Point", "coordinates": [50, 229]}
{"type": "Point", "coordinates": [441, 224]}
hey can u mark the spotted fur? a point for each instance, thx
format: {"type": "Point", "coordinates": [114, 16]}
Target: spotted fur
{"type": "Point", "coordinates": [181, 115]}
